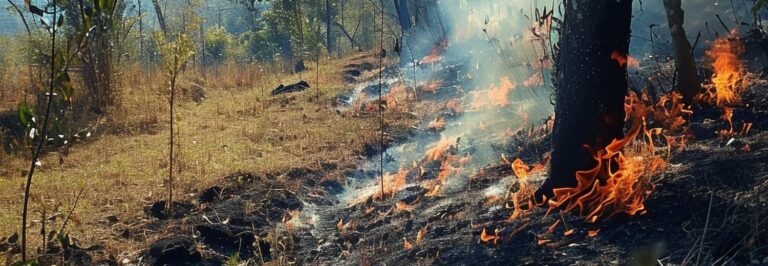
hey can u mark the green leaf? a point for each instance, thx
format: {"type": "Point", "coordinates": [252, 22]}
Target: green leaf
{"type": "Point", "coordinates": [25, 114]}
{"type": "Point", "coordinates": [64, 85]}
{"type": "Point", "coordinates": [64, 240]}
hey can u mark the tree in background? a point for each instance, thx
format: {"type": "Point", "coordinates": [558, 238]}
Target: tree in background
{"type": "Point", "coordinates": [589, 104]}
{"type": "Point", "coordinates": [99, 19]}
{"type": "Point", "coordinates": [687, 79]}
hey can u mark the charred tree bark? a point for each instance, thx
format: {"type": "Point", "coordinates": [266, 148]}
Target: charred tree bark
{"type": "Point", "coordinates": [589, 106]}
{"type": "Point", "coordinates": [687, 79]}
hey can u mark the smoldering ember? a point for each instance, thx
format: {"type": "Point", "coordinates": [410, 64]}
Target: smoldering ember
{"type": "Point", "coordinates": [384, 132]}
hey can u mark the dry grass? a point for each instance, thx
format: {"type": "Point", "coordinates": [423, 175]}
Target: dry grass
{"type": "Point", "coordinates": [124, 163]}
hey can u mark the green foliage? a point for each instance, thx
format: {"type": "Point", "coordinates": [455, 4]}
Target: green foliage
{"type": "Point", "coordinates": [760, 4]}
{"type": "Point", "coordinates": [234, 259]}
{"type": "Point", "coordinates": [175, 53]}
{"type": "Point", "coordinates": [218, 43]}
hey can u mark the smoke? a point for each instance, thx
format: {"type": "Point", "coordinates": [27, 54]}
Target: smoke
{"type": "Point", "coordinates": [497, 58]}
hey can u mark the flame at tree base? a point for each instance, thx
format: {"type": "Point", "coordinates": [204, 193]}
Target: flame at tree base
{"type": "Point", "coordinates": [621, 181]}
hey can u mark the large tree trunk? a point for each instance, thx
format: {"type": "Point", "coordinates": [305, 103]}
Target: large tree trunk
{"type": "Point", "coordinates": [589, 106]}
{"type": "Point", "coordinates": [687, 79]}
{"type": "Point", "coordinates": [160, 18]}
{"type": "Point", "coordinates": [403, 14]}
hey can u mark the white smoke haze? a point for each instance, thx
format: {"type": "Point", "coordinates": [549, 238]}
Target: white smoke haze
{"type": "Point", "coordinates": [492, 44]}
{"type": "Point", "coordinates": [491, 55]}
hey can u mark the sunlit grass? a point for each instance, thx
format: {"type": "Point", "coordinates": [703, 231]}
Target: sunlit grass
{"type": "Point", "coordinates": [124, 163]}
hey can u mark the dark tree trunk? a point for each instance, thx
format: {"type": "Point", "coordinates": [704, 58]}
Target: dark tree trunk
{"type": "Point", "coordinates": [329, 25]}
{"type": "Point", "coordinates": [160, 18]}
{"type": "Point", "coordinates": [589, 107]}
{"type": "Point", "coordinates": [403, 14]}
{"type": "Point", "coordinates": [687, 79]}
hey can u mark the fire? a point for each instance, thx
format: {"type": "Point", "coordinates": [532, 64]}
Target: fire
{"type": "Point", "coordinates": [402, 206]}
{"type": "Point", "coordinates": [434, 56]}
{"type": "Point", "coordinates": [494, 96]}
{"type": "Point", "coordinates": [398, 94]}
{"type": "Point", "coordinates": [431, 86]}
{"type": "Point", "coordinates": [437, 125]}
{"type": "Point", "coordinates": [521, 200]}
{"type": "Point", "coordinates": [535, 80]}
{"type": "Point", "coordinates": [729, 72]}
{"type": "Point", "coordinates": [464, 161]}
{"type": "Point", "coordinates": [294, 221]}
{"type": "Point", "coordinates": [621, 180]}
{"type": "Point", "coordinates": [453, 105]}
{"type": "Point", "coordinates": [421, 234]}
{"type": "Point", "coordinates": [439, 149]}
{"type": "Point", "coordinates": [670, 112]}
{"type": "Point", "coordinates": [446, 169]}
{"type": "Point", "coordinates": [625, 60]}
{"type": "Point", "coordinates": [520, 168]}
{"type": "Point", "coordinates": [406, 244]}
{"type": "Point", "coordinates": [394, 183]}
{"type": "Point", "coordinates": [485, 237]}
{"type": "Point", "coordinates": [340, 225]}
{"type": "Point", "coordinates": [731, 131]}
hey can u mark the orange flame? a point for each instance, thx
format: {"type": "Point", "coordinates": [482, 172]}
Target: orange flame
{"type": "Point", "coordinates": [437, 125]}
{"type": "Point", "coordinates": [421, 234]}
{"type": "Point", "coordinates": [621, 180]}
{"type": "Point", "coordinates": [729, 71]}
{"type": "Point", "coordinates": [521, 200]}
{"type": "Point", "coordinates": [670, 112]}
{"type": "Point", "coordinates": [453, 105]}
{"type": "Point", "coordinates": [402, 206]}
{"type": "Point", "coordinates": [625, 60]}
{"type": "Point", "coordinates": [406, 244]}
{"type": "Point", "coordinates": [394, 183]}
{"type": "Point", "coordinates": [485, 237]}
{"type": "Point", "coordinates": [494, 96]}
{"type": "Point", "coordinates": [398, 94]}
{"type": "Point", "coordinates": [434, 56]}
{"type": "Point", "coordinates": [340, 225]}
{"type": "Point", "coordinates": [439, 149]}
{"type": "Point", "coordinates": [431, 86]}
{"type": "Point", "coordinates": [535, 80]}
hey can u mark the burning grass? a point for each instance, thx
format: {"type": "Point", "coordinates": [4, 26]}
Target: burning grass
{"type": "Point", "coordinates": [493, 97]}
{"type": "Point", "coordinates": [621, 180]}
{"type": "Point", "coordinates": [730, 77]}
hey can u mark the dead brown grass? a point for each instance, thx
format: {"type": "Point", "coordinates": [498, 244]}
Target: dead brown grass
{"type": "Point", "coordinates": [238, 127]}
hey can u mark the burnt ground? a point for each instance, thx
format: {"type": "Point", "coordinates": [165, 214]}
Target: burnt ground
{"type": "Point", "coordinates": [710, 207]}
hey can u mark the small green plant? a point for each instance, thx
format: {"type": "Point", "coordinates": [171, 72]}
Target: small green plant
{"type": "Point", "coordinates": [59, 84]}
{"type": "Point", "coordinates": [234, 259]}
{"type": "Point", "coordinates": [175, 54]}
